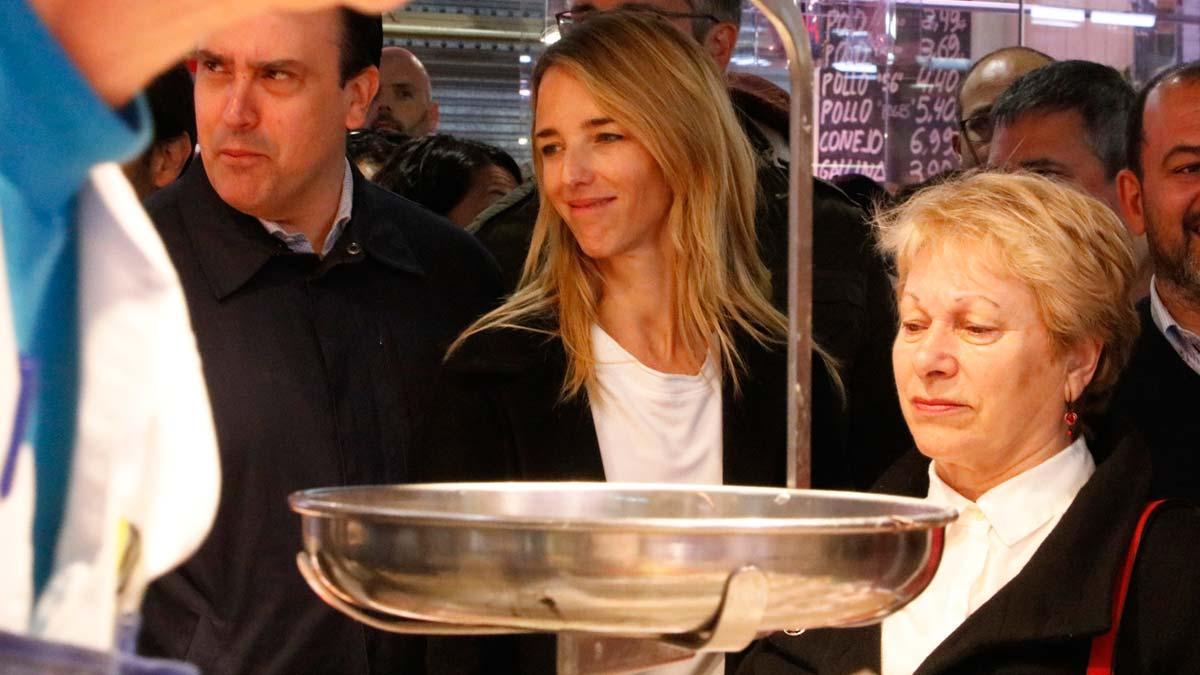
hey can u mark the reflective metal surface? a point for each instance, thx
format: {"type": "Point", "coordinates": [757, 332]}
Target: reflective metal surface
{"type": "Point", "coordinates": [636, 560]}
{"type": "Point", "coordinates": [785, 16]}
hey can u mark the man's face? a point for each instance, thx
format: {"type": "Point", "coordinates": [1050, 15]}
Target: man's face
{"type": "Point", "coordinates": [1053, 144]}
{"type": "Point", "coordinates": [271, 114]}
{"type": "Point", "coordinates": [404, 102]}
{"type": "Point", "coordinates": [978, 94]}
{"type": "Point", "coordinates": [1170, 185]}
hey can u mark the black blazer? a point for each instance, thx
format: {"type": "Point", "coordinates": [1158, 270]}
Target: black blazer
{"type": "Point", "coordinates": [1043, 621]}
{"type": "Point", "coordinates": [853, 312]}
{"type": "Point", "coordinates": [499, 416]}
{"type": "Point", "coordinates": [317, 372]}
{"type": "Point", "coordinates": [1158, 394]}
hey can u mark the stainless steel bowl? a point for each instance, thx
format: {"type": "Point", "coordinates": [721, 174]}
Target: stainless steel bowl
{"type": "Point", "coordinates": [632, 560]}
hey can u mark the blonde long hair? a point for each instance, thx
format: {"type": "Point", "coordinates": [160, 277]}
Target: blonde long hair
{"type": "Point", "coordinates": [666, 91]}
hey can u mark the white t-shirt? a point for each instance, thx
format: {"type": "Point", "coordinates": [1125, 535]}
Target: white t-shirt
{"type": "Point", "coordinates": [655, 427]}
{"type": "Point", "coordinates": [992, 540]}
{"type": "Point", "coordinates": [658, 428]}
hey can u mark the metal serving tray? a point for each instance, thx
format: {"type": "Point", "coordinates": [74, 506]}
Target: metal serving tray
{"type": "Point", "coordinates": [635, 560]}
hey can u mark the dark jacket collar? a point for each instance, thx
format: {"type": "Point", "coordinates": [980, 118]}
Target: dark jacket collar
{"type": "Point", "coordinates": [501, 351]}
{"type": "Point", "coordinates": [553, 439]}
{"type": "Point", "coordinates": [538, 359]}
{"type": "Point", "coordinates": [758, 99]}
{"type": "Point", "coordinates": [377, 228]}
{"type": "Point", "coordinates": [232, 246]}
{"type": "Point", "coordinates": [506, 351]}
{"type": "Point", "coordinates": [1151, 342]}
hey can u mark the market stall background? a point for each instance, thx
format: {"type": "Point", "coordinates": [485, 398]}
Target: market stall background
{"type": "Point", "coordinates": [886, 73]}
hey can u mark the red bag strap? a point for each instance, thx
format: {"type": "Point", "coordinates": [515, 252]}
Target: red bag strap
{"type": "Point", "coordinates": [1103, 646]}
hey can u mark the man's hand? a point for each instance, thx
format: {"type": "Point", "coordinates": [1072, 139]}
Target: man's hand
{"type": "Point", "coordinates": [120, 45]}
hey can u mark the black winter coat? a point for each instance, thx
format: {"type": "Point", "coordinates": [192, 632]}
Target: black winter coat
{"type": "Point", "coordinates": [1043, 621]}
{"type": "Point", "coordinates": [318, 373]}
{"type": "Point", "coordinates": [499, 416]}
{"type": "Point", "coordinates": [1158, 394]}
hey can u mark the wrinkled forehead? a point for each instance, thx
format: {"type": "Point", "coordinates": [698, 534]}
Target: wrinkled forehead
{"type": "Point", "coordinates": [310, 38]}
{"type": "Point", "coordinates": [1052, 142]}
{"type": "Point", "coordinates": [958, 269]}
{"type": "Point", "coordinates": [937, 248]}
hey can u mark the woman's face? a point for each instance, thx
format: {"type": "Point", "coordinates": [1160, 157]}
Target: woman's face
{"type": "Point", "coordinates": [600, 179]}
{"type": "Point", "coordinates": [981, 387]}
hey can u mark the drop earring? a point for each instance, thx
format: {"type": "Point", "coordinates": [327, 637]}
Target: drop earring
{"type": "Point", "coordinates": [1071, 418]}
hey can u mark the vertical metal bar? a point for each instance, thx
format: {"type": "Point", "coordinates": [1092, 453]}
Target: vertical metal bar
{"type": "Point", "coordinates": [1021, 23]}
{"type": "Point", "coordinates": [788, 21]}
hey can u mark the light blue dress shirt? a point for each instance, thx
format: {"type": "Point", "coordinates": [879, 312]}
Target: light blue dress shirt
{"type": "Point", "coordinates": [1183, 341]}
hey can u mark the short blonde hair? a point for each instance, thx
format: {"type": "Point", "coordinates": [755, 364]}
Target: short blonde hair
{"type": "Point", "coordinates": [666, 91]}
{"type": "Point", "coordinates": [1068, 247]}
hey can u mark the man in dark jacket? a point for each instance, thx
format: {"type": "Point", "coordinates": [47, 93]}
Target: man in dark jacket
{"type": "Point", "coordinates": [322, 306]}
{"type": "Point", "coordinates": [1160, 196]}
{"type": "Point", "coordinates": [853, 309]}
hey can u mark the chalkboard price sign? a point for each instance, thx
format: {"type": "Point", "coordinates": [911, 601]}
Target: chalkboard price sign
{"type": "Point", "coordinates": [886, 90]}
{"type": "Point", "coordinates": [851, 135]}
{"type": "Point", "coordinates": [935, 44]}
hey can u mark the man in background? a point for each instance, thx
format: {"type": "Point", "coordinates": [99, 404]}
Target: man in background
{"type": "Point", "coordinates": [405, 100]}
{"type": "Point", "coordinates": [174, 112]}
{"type": "Point", "coordinates": [1160, 196]}
{"type": "Point", "coordinates": [984, 81]}
{"type": "Point", "coordinates": [1067, 120]}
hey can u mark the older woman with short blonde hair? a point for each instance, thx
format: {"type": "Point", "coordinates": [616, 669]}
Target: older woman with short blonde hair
{"type": "Point", "coordinates": [1068, 249]}
{"type": "Point", "coordinates": [1014, 326]}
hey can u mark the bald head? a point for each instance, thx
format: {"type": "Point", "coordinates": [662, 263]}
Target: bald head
{"type": "Point", "coordinates": [405, 100]}
{"type": "Point", "coordinates": [981, 86]}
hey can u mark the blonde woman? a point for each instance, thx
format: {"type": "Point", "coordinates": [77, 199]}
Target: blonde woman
{"type": "Point", "coordinates": [640, 344]}
{"type": "Point", "coordinates": [1014, 326]}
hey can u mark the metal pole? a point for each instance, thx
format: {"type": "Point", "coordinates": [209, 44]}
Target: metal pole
{"type": "Point", "coordinates": [789, 24]}
{"type": "Point", "coordinates": [1021, 22]}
